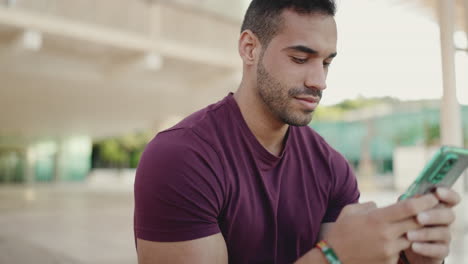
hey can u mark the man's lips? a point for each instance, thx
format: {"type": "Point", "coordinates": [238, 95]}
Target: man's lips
{"type": "Point", "coordinates": [309, 103]}
{"type": "Point", "coordinates": [309, 99]}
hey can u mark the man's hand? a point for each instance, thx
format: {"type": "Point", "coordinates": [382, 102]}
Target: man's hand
{"type": "Point", "coordinates": [364, 234]}
{"type": "Point", "coordinates": [430, 244]}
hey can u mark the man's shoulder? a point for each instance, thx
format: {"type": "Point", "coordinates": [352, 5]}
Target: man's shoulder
{"type": "Point", "coordinates": [178, 149]}
{"type": "Point", "coordinates": [202, 122]}
{"type": "Point", "coordinates": [196, 132]}
{"type": "Point", "coordinates": [312, 138]}
{"type": "Point", "coordinates": [310, 133]}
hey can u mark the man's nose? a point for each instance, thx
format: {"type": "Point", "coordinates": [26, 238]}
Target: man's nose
{"type": "Point", "coordinates": [317, 77]}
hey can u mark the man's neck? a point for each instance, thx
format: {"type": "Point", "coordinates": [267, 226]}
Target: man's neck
{"type": "Point", "coordinates": [268, 130]}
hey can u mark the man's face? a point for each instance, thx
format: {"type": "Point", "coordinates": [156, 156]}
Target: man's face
{"type": "Point", "coordinates": [292, 70]}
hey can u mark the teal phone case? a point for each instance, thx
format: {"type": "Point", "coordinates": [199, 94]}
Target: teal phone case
{"type": "Point", "coordinates": [443, 170]}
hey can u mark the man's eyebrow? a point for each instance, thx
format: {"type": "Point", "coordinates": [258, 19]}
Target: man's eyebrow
{"type": "Point", "coordinates": [308, 50]}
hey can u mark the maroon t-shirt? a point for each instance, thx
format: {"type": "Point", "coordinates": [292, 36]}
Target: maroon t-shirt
{"type": "Point", "coordinates": [209, 174]}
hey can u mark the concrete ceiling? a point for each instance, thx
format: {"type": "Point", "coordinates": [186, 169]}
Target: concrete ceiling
{"type": "Point", "coordinates": [77, 86]}
{"type": "Point", "coordinates": [89, 78]}
{"type": "Point", "coordinates": [46, 95]}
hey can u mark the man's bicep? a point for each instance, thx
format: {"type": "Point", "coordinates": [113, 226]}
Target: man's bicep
{"type": "Point", "coordinates": [211, 249]}
{"type": "Point", "coordinates": [178, 192]}
{"type": "Point", "coordinates": [344, 191]}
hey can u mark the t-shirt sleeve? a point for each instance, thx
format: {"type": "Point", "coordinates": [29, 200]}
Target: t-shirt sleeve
{"type": "Point", "coordinates": [344, 190]}
{"type": "Point", "coordinates": [178, 189]}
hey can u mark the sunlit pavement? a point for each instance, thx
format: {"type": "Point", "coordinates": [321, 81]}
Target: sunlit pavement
{"type": "Point", "coordinates": [82, 224]}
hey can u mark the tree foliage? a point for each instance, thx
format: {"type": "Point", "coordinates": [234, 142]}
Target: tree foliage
{"type": "Point", "coordinates": [124, 151]}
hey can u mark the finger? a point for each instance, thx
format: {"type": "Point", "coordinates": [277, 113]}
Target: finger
{"type": "Point", "coordinates": [431, 250]}
{"type": "Point", "coordinates": [439, 216]}
{"type": "Point", "coordinates": [402, 227]}
{"type": "Point", "coordinates": [447, 196]}
{"type": "Point", "coordinates": [402, 243]}
{"type": "Point", "coordinates": [430, 234]}
{"type": "Point", "coordinates": [441, 205]}
{"type": "Point", "coordinates": [407, 208]}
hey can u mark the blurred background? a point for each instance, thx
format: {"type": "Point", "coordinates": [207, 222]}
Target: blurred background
{"type": "Point", "coordinates": [84, 85]}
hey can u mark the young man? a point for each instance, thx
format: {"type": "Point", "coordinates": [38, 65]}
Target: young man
{"type": "Point", "coordinates": [245, 180]}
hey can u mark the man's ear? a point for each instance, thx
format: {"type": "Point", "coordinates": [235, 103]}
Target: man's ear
{"type": "Point", "coordinates": [249, 47]}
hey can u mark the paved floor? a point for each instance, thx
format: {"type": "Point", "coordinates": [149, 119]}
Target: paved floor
{"type": "Point", "coordinates": [80, 224]}
{"type": "Point", "coordinates": [66, 225]}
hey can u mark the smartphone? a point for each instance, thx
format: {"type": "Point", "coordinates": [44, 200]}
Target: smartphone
{"type": "Point", "coordinates": [443, 170]}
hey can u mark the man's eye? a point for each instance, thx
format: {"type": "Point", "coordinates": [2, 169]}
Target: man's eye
{"type": "Point", "coordinates": [326, 64]}
{"type": "Point", "coordinates": [299, 60]}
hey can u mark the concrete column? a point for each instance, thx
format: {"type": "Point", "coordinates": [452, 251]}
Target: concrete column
{"type": "Point", "coordinates": [451, 125]}
{"type": "Point", "coordinates": [59, 161]}
{"type": "Point", "coordinates": [30, 173]}
{"type": "Point", "coordinates": [465, 7]}
{"type": "Point", "coordinates": [366, 169]}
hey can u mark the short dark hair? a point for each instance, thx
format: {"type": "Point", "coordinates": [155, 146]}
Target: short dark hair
{"type": "Point", "coordinates": [263, 17]}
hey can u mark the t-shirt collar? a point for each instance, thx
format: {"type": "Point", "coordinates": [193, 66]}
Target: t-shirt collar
{"type": "Point", "coordinates": [268, 160]}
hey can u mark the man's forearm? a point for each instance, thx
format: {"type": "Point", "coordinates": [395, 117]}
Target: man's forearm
{"type": "Point", "coordinates": [314, 256]}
